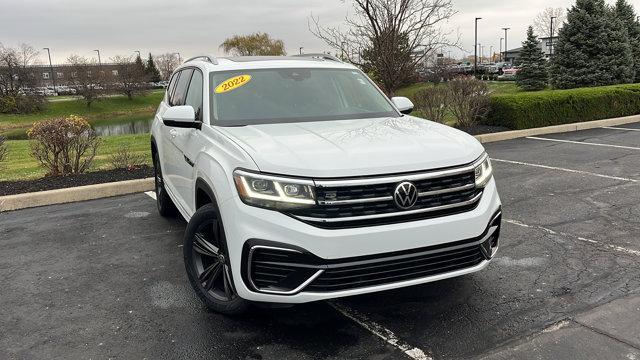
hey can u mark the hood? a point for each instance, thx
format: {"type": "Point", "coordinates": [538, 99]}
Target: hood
{"type": "Point", "coordinates": [343, 148]}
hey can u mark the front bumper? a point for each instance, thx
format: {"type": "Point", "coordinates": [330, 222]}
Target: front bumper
{"type": "Point", "coordinates": [327, 257]}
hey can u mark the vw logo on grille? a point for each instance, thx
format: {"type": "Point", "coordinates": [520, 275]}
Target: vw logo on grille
{"type": "Point", "coordinates": [405, 195]}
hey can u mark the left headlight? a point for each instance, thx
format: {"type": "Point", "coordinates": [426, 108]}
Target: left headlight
{"type": "Point", "coordinates": [274, 192]}
{"type": "Point", "coordinates": [483, 172]}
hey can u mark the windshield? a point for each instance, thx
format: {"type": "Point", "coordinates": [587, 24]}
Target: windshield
{"type": "Point", "coordinates": [267, 96]}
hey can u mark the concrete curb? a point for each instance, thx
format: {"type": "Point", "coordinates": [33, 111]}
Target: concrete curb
{"type": "Point", "coordinates": [98, 191]}
{"type": "Point", "coordinates": [80, 193]}
{"type": "Point", "coordinates": [514, 134]}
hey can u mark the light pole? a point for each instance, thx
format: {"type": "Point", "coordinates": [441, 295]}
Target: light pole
{"type": "Point", "coordinates": [491, 53]}
{"type": "Point", "coordinates": [99, 61]}
{"type": "Point", "coordinates": [179, 57]}
{"type": "Point", "coordinates": [137, 51]}
{"type": "Point", "coordinates": [501, 40]}
{"type": "Point", "coordinates": [53, 75]}
{"type": "Point", "coordinates": [505, 43]}
{"type": "Point", "coordinates": [481, 52]}
{"type": "Point", "coordinates": [475, 50]}
{"type": "Point", "coordinates": [551, 39]}
{"type": "Point", "coordinates": [301, 50]}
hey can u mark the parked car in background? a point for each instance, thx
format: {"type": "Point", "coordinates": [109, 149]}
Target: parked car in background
{"type": "Point", "coordinates": [509, 73]}
{"type": "Point", "coordinates": [65, 90]}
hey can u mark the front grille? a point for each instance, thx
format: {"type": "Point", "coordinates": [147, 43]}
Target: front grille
{"type": "Point", "coordinates": [391, 269]}
{"type": "Point", "coordinates": [354, 203]}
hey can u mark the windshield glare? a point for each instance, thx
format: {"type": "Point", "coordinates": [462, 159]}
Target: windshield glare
{"type": "Point", "coordinates": [267, 96]}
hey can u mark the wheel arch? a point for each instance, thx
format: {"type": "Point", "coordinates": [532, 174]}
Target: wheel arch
{"type": "Point", "coordinates": [154, 146]}
{"type": "Point", "coordinates": [204, 194]}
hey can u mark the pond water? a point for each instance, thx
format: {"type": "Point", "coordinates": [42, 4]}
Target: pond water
{"type": "Point", "coordinates": [103, 128]}
{"type": "Point", "coordinates": [124, 127]}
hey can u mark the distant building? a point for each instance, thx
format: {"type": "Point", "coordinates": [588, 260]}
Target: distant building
{"type": "Point", "coordinates": [64, 74]}
{"type": "Point", "coordinates": [544, 44]}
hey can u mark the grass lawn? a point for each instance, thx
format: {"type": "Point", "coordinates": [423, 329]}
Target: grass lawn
{"type": "Point", "coordinates": [19, 164]}
{"type": "Point", "coordinates": [496, 88]}
{"type": "Point", "coordinates": [107, 109]}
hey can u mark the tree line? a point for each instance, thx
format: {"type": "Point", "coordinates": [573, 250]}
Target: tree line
{"type": "Point", "coordinates": [597, 45]}
{"type": "Point", "coordinates": [20, 79]}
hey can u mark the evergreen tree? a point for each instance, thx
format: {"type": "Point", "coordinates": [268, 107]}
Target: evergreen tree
{"type": "Point", "coordinates": [139, 66]}
{"type": "Point", "coordinates": [626, 14]}
{"type": "Point", "coordinates": [593, 48]}
{"type": "Point", "coordinates": [151, 70]}
{"type": "Point", "coordinates": [533, 67]}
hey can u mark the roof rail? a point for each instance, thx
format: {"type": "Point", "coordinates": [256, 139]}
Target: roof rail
{"type": "Point", "coordinates": [320, 56]}
{"type": "Point", "coordinates": [210, 58]}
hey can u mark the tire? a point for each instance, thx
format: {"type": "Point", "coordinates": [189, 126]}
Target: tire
{"type": "Point", "coordinates": [166, 207]}
{"type": "Point", "coordinates": [207, 262]}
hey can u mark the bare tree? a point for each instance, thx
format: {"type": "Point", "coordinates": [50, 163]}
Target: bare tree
{"type": "Point", "coordinates": [542, 21]}
{"type": "Point", "coordinates": [15, 75]}
{"type": "Point", "coordinates": [131, 78]}
{"type": "Point", "coordinates": [19, 80]}
{"type": "Point", "coordinates": [253, 45]}
{"type": "Point", "coordinates": [86, 78]}
{"type": "Point", "coordinates": [390, 38]}
{"type": "Point", "coordinates": [166, 63]}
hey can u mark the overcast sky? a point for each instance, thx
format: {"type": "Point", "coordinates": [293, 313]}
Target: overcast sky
{"type": "Point", "coordinates": [191, 27]}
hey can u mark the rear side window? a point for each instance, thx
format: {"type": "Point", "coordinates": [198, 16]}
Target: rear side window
{"type": "Point", "coordinates": [180, 94]}
{"type": "Point", "coordinates": [172, 87]}
{"type": "Point", "coordinates": [194, 94]}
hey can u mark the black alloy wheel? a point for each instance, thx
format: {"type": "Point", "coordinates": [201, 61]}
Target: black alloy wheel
{"type": "Point", "coordinates": [208, 264]}
{"type": "Point", "coordinates": [164, 202]}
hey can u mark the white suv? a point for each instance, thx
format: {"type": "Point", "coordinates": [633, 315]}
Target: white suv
{"type": "Point", "coordinates": [302, 181]}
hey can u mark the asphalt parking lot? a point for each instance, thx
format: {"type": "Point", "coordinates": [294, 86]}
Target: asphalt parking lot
{"type": "Point", "coordinates": [105, 278]}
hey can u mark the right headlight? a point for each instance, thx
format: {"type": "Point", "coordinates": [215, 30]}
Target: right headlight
{"type": "Point", "coordinates": [274, 192]}
{"type": "Point", "coordinates": [483, 172]}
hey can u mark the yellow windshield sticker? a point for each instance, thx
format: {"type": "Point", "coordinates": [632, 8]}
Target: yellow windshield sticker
{"type": "Point", "coordinates": [232, 83]}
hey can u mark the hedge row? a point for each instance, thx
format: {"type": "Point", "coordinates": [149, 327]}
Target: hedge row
{"type": "Point", "coordinates": [553, 107]}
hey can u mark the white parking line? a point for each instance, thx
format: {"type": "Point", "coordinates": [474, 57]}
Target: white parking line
{"type": "Point", "coordinates": [594, 242]}
{"type": "Point", "coordinates": [381, 332]}
{"type": "Point", "coordinates": [151, 194]}
{"type": "Point", "coordinates": [584, 143]}
{"type": "Point", "coordinates": [620, 128]}
{"type": "Point", "coordinates": [563, 169]}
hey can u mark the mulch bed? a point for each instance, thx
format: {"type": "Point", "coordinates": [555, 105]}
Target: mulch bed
{"type": "Point", "coordinates": [60, 182]}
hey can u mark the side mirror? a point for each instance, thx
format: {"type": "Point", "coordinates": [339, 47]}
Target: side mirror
{"type": "Point", "coordinates": [403, 104]}
{"type": "Point", "coordinates": [181, 117]}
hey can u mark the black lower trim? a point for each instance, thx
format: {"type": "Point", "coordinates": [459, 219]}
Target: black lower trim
{"type": "Point", "coordinates": [183, 124]}
{"type": "Point", "coordinates": [188, 160]}
{"type": "Point", "coordinates": [274, 267]}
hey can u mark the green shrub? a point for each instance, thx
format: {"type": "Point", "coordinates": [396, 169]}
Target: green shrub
{"type": "Point", "coordinates": [125, 158]}
{"type": "Point", "coordinates": [21, 104]}
{"type": "Point", "coordinates": [468, 99]}
{"type": "Point", "coordinates": [554, 107]}
{"type": "Point", "coordinates": [433, 102]}
{"type": "Point", "coordinates": [65, 145]}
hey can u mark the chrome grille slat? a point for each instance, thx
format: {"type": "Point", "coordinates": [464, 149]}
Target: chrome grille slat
{"type": "Point", "coordinates": [398, 178]}
{"type": "Point", "coordinates": [344, 203]}
{"type": "Point", "coordinates": [391, 214]}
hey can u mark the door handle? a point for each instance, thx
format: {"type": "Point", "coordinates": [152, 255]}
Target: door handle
{"type": "Point", "coordinates": [173, 133]}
